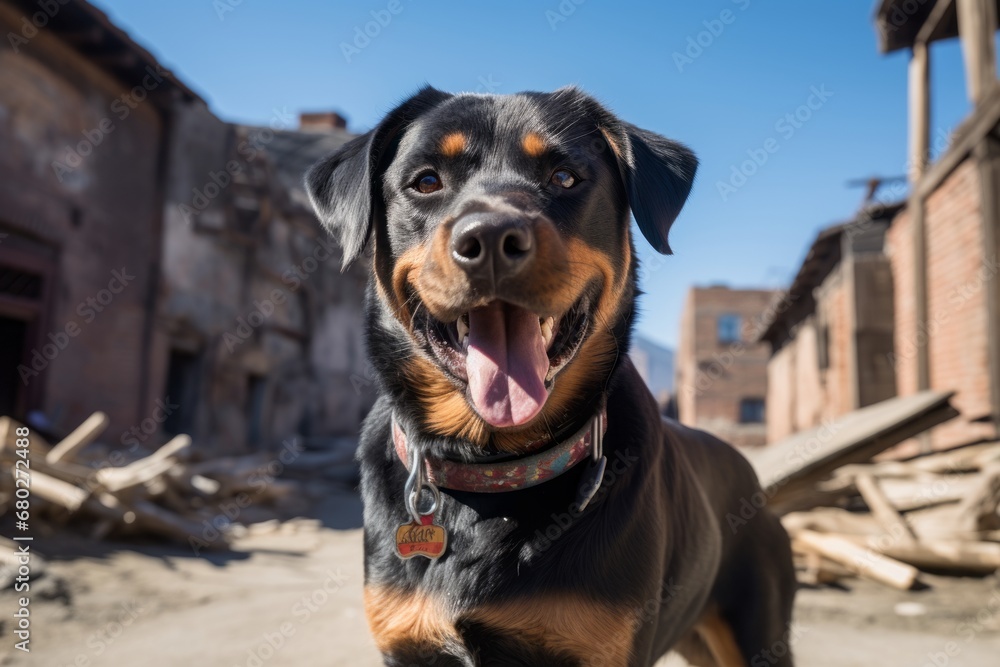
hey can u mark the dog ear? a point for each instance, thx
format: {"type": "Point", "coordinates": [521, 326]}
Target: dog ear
{"type": "Point", "coordinates": [658, 176]}
{"type": "Point", "coordinates": [343, 186]}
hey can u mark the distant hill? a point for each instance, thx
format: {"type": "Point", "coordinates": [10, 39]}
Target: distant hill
{"type": "Point", "coordinates": [655, 364]}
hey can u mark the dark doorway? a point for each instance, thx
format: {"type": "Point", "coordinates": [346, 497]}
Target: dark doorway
{"type": "Point", "coordinates": [256, 393]}
{"type": "Point", "coordinates": [182, 390]}
{"type": "Point", "coordinates": [14, 334]}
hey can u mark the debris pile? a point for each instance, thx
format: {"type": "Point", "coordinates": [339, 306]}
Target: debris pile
{"type": "Point", "coordinates": [167, 493]}
{"type": "Point", "coordinates": [849, 514]}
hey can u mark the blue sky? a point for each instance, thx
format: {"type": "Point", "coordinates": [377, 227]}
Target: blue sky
{"type": "Point", "coordinates": [758, 61]}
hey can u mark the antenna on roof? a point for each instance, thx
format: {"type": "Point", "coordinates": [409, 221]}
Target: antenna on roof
{"type": "Point", "coordinates": [872, 184]}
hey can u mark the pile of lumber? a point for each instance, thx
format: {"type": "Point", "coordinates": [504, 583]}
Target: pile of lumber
{"type": "Point", "coordinates": [889, 521]}
{"type": "Point", "coordinates": [164, 494]}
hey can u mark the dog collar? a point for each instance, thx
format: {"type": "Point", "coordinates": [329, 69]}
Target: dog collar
{"type": "Point", "coordinates": [516, 474]}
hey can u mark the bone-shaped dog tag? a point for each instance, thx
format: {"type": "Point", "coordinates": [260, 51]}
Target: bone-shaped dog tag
{"type": "Point", "coordinates": [425, 538]}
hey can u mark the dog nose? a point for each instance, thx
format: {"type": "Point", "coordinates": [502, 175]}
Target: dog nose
{"type": "Point", "coordinates": [490, 248]}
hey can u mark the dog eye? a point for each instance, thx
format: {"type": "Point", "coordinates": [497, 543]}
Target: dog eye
{"type": "Point", "coordinates": [564, 178]}
{"type": "Point", "coordinates": [427, 183]}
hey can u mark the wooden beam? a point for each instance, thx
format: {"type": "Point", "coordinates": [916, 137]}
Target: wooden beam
{"type": "Point", "coordinates": [977, 21]}
{"type": "Point", "coordinates": [987, 154]}
{"type": "Point", "coordinates": [866, 562]}
{"type": "Point", "coordinates": [930, 26]}
{"type": "Point", "coordinates": [83, 435]}
{"type": "Point", "coordinates": [920, 121]}
{"type": "Point", "coordinates": [883, 511]}
{"type": "Point", "coordinates": [983, 119]}
{"type": "Point", "coordinates": [920, 111]}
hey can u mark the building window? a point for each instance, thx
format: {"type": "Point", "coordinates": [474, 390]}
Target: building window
{"type": "Point", "coordinates": [823, 347]}
{"type": "Point", "coordinates": [730, 328]}
{"type": "Point", "coordinates": [752, 411]}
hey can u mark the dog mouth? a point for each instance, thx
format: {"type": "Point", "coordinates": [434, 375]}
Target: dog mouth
{"type": "Point", "coordinates": [504, 355]}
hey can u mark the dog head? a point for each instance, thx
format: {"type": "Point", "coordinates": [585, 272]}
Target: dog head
{"type": "Point", "coordinates": [503, 268]}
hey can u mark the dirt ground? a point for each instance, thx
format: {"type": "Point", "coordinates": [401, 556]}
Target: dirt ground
{"type": "Point", "coordinates": [294, 598]}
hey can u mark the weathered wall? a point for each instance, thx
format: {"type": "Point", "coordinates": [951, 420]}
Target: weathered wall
{"type": "Point", "coordinates": [96, 216]}
{"type": "Point", "coordinates": [264, 303]}
{"type": "Point", "coordinates": [956, 281]}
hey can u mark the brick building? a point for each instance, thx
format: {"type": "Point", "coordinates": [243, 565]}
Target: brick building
{"type": "Point", "coordinates": [721, 369]}
{"type": "Point", "coordinates": [157, 263]}
{"type": "Point", "coordinates": [85, 119]}
{"type": "Point", "coordinates": [943, 247]}
{"type": "Point", "coordinates": [831, 333]}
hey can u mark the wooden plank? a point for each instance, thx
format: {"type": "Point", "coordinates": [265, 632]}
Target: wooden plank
{"type": "Point", "coordinates": [145, 469]}
{"type": "Point", "coordinates": [865, 562]}
{"type": "Point", "coordinates": [882, 509]}
{"type": "Point", "coordinates": [977, 22]}
{"type": "Point", "coordinates": [802, 459]}
{"type": "Point", "coordinates": [978, 509]}
{"type": "Point", "coordinates": [965, 138]}
{"type": "Point", "coordinates": [987, 155]}
{"type": "Point", "coordinates": [56, 491]}
{"type": "Point", "coordinates": [929, 31]}
{"type": "Point", "coordinates": [83, 435]}
{"type": "Point", "coordinates": [831, 520]}
{"type": "Point", "coordinates": [919, 110]}
{"type": "Point", "coordinates": [940, 555]}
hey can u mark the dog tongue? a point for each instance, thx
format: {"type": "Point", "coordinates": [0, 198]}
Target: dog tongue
{"type": "Point", "coordinates": [506, 364]}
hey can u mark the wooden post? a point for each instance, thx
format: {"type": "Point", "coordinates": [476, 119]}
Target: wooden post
{"type": "Point", "coordinates": [987, 154]}
{"type": "Point", "coordinates": [920, 114]}
{"type": "Point", "coordinates": [977, 21]}
{"type": "Point", "coordinates": [920, 111]}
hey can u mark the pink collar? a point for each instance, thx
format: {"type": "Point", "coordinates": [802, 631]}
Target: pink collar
{"type": "Point", "coordinates": [520, 473]}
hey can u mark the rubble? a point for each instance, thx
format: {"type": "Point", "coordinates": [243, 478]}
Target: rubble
{"type": "Point", "coordinates": [166, 494]}
{"type": "Point", "coordinates": [852, 509]}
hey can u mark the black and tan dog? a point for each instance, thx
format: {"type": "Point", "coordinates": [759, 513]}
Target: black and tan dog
{"type": "Point", "coordinates": [525, 504]}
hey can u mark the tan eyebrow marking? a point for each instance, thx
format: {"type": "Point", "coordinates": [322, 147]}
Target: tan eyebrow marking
{"type": "Point", "coordinates": [532, 144]}
{"type": "Point", "coordinates": [453, 144]}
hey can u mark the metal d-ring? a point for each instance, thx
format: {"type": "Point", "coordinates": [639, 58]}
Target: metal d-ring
{"type": "Point", "coordinates": [415, 483]}
{"type": "Point", "coordinates": [597, 436]}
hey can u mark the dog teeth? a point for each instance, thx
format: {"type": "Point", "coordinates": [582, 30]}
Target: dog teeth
{"type": "Point", "coordinates": [548, 328]}
{"type": "Point", "coordinates": [462, 325]}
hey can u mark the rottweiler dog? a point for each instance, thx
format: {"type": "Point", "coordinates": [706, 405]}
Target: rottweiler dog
{"type": "Point", "coordinates": [524, 501]}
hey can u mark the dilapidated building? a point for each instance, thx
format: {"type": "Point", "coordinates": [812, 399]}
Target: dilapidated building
{"type": "Point", "coordinates": [831, 333]}
{"type": "Point", "coordinates": [944, 246]}
{"type": "Point", "coordinates": [157, 263]}
{"type": "Point", "coordinates": [85, 134]}
{"type": "Point", "coordinates": [261, 332]}
{"type": "Point", "coordinates": [721, 367]}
